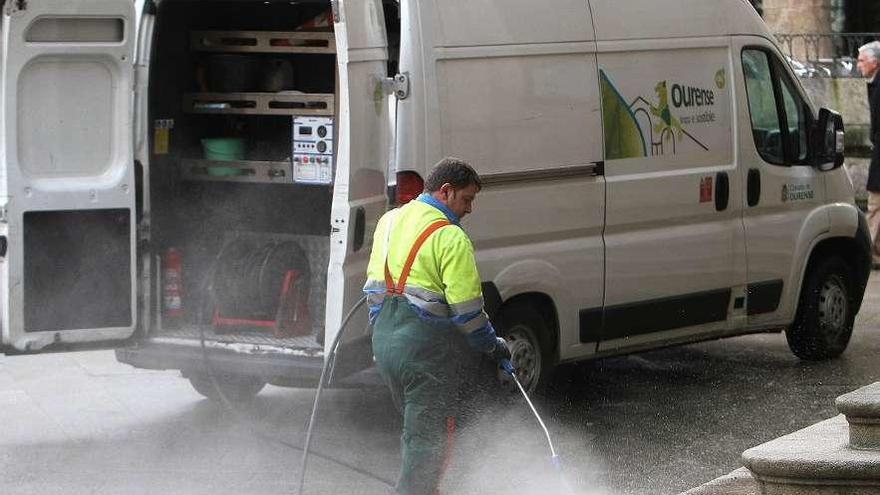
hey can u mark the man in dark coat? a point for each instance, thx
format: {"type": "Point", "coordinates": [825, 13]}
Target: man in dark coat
{"type": "Point", "coordinates": [869, 66]}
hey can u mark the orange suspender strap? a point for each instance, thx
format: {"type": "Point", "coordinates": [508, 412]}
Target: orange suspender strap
{"type": "Point", "coordinates": [401, 284]}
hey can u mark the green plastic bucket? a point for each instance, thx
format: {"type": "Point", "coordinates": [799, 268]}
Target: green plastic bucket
{"type": "Point", "coordinates": [223, 149]}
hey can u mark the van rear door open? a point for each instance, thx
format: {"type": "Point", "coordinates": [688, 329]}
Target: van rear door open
{"type": "Point", "coordinates": [359, 193]}
{"type": "Point", "coordinates": [67, 186]}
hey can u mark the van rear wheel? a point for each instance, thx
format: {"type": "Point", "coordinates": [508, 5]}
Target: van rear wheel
{"type": "Point", "coordinates": [824, 321]}
{"type": "Point", "coordinates": [522, 328]}
{"type": "Point", "coordinates": [235, 388]}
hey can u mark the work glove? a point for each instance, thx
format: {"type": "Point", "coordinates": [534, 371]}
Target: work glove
{"type": "Point", "coordinates": [507, 367]}
{"type": "Point", "coordinates": [501, 354]}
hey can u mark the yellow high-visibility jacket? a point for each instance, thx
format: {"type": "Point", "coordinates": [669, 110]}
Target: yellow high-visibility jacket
{"type": "Point", "coordinates": [443, 285]}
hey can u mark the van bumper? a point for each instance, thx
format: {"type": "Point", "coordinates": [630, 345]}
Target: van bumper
{"type": "Point", "coordinates": [304, 370]}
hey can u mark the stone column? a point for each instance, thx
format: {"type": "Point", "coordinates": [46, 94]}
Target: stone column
{"type": "Point", "coordinates": [801, 17]}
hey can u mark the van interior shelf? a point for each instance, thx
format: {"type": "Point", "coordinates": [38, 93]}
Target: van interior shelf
{"type": "Point", "coordinates": [265, 172]}
{"type": "Point", "coordinates": [281, 103]}
{"type": "Point", "coordinates": [264, 41]}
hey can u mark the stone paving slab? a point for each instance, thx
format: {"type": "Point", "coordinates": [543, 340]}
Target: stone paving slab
{"type": "Point", "coordinates": [739, 482]}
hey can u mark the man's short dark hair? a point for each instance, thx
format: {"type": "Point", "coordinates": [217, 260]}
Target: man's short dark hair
{"type": "Point", "coordinates": [454, 171]}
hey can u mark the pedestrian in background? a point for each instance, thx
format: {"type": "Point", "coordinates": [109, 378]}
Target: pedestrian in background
{"type": "Point", "coordinates": [869, 66]}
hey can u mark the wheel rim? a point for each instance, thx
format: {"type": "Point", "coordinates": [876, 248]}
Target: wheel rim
{"type": "Point", "coordinates": [833, 307]}
{"type": "Point", "coordinates": [525, 357]}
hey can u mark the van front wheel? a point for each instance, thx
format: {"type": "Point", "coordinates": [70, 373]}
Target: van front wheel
{"type": "Point", "coordinates": [234, 388]}
{"type": "Point", "coordinates": [824, 321]}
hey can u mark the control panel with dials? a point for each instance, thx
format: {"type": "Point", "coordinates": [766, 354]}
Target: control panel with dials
{"type": "Point", "coordinates": [313, 150]}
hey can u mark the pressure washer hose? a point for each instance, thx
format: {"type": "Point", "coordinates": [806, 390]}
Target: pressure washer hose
{"type": "Point", "coordinates": [270, 437]}
{"type": "Point", "coordinates": [328, 365]}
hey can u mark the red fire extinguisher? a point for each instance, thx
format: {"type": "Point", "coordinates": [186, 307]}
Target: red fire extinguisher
{"type": "Point", "coordinates": [172, 284]}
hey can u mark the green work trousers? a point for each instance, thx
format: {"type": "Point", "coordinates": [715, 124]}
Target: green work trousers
{"type": "Point", "coordinates": [416, 360]}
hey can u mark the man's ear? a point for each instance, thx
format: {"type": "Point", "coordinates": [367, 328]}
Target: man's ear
{"type": "Point", "coordinates": [446, 190]}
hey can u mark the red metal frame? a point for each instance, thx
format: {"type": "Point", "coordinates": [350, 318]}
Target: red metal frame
{"type": "Point", "coordinates": [288, 301]}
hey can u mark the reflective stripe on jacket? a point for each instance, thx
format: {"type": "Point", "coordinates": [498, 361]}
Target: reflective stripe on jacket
{"type": "Point", "coordinates": [443, 285]}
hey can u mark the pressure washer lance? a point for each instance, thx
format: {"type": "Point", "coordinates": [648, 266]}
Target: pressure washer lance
{"type": "Point", "coordinates": [554, 458]}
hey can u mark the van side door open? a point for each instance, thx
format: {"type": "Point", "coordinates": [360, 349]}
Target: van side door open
{"type": "Point", "coordinates": [67, 184]}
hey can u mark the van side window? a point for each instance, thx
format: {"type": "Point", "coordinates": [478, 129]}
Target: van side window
{"type": "Point", "coordinates": [780, 117]}
{"type": "Point", "coordinates": [795, 113]}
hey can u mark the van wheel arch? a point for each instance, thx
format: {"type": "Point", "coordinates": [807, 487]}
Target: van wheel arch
{"type": "Point", "coordinates": [857, 258]}
{"type": "Point", "coordinates": [826, 310]}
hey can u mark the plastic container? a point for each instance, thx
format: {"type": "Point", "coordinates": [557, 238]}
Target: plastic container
{"type": "Point", "coordinates": [222, 150]}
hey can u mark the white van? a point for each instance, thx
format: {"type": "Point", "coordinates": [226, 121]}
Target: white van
{"type": "Point", "coordinates": [201, 179]}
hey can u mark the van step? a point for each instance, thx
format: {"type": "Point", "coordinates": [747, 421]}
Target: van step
{"type": "Point", "coordinates": [194, 332]}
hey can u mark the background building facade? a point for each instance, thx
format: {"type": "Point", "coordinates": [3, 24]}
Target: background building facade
{"type": "Point", "coordinates": [821, 38]}
{"type": "Point", "coordinates": [820, 16]}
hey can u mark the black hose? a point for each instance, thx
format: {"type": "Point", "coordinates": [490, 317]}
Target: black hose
{"type": "Point", "coordinates": [272, 438]}
{"type": "Point", "coordinates": [327, 365]}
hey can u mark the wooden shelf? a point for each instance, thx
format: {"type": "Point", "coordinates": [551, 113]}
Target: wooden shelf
{"type": "Point", "coordinates": [263, 172]}
{"type": "Point", "coordinates": [281, 103]}
{"type": "Point", "coordinates": [264, 42]}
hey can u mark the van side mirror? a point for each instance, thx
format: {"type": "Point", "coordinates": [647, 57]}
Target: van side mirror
{"type": "Point", "coordinates": [827, 141]}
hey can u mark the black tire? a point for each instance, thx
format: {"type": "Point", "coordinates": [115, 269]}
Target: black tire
{"type": "Point", "coordinates": [528, 338]}
{"type": "Point", "coordinates": [237, 389]}
{"type": "Point", "coordinates": [825, 315]}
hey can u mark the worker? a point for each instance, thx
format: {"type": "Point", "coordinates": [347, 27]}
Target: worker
{"type": "Point", "coordinates": [424, 292]}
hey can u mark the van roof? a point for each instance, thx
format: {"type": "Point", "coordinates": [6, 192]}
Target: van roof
{"type": "Point", "coordinates": [641, 19]}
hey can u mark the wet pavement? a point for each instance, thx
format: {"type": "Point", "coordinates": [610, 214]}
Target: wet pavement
{"type": "Point", "coordinates": [657, 422]}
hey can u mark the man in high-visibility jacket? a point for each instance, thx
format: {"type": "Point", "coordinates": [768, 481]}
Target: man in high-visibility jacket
{"type": "Point", "coordinates": [424, 292]}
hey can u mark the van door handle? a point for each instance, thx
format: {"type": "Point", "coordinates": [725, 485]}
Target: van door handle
{"type": "Point", "coordinates": [753, 187]}
{"type": "Point", "coordinates": [722, 191]}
